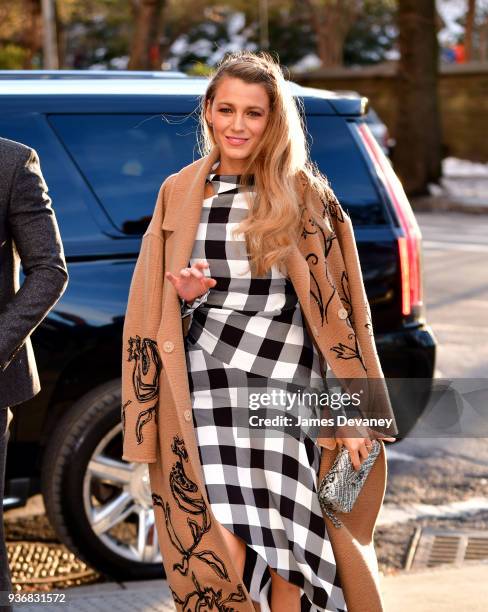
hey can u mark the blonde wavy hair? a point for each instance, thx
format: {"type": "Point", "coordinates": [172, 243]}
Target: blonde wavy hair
{"type": "Point", "coordinates": [280, 164]}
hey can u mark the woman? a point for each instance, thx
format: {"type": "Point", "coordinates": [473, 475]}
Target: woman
{"type": "Point", "coordinates": [246, 330]}
{"type": "Point", "coordinates": [272, 295]}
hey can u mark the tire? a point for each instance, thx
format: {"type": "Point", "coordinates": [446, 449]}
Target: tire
{"type": "Point", "coordinates": [83, 476]}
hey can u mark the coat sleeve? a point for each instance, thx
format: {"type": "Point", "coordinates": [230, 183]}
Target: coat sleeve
{"type": "Point", "coordinates": [32, 223]}
{"type": "Point", "coordinates": [378, 404]}
{"type": "Point", "coordinates": [141, 361]}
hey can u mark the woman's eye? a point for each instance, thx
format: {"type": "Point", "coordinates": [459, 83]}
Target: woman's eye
{"type": "Point", "coordinates": [253, 113]}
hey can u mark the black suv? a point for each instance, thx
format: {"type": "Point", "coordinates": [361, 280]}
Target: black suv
{"type": "Point", "coordinates": [106, 142]}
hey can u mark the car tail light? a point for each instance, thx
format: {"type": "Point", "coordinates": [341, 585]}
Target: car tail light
{"type": "Point", "coordinates": [409, 246]}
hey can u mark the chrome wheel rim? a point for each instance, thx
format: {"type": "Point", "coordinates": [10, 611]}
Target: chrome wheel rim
{"type": "Point", "coordinates": [118, 503]}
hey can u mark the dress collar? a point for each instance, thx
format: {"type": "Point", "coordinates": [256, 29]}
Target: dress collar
{"type": "Point", "coordinates": [222, 182]}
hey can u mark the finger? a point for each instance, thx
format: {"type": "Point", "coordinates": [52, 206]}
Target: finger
{"type": "Point", "coordinates": [195, 273]}
{"type": "Point", "coordinates": [185, 272]}
{"type": "Point", "coordinates": [355, 459]}
{"type": "Point", "coordinates": [363, 451]}
{"type": "Point", "coordinates": [329, 443]}
{"type": "Point", "coordinates": [201, 264]}
{"type": "Point", "coordinates": [171, 277]}
{"type": "Point", "coordinates": [209, 282]}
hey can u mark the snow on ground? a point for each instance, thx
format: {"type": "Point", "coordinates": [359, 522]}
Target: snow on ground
{"type": "Point", "coordinates": [463, 181]}
{"type": "Point", "coordinates": [452, 166]}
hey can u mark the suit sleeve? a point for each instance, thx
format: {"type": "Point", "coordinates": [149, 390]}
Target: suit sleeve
{"type": "Point", "coordinates": [32, 223]}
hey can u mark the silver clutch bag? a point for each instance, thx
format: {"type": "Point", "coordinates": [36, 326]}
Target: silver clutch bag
{"type": "Point", "coordinates": [341, 485]}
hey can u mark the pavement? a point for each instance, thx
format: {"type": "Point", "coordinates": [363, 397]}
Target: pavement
{"type": "Point", "coordinates": [441, 589]}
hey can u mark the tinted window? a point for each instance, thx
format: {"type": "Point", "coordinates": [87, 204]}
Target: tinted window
{"type": "Point", "coordinates": [75, 207]}
{"type": "Point", "coordinates": [334, 149]}
{"type": "Point", "coordinates": [125, 158]}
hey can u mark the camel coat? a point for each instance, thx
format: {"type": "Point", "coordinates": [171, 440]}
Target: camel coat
{"type": "Point", "coordinates": [156, 407]}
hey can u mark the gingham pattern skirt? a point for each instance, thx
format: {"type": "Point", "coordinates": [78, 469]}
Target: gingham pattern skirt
{"type": "Point", "coordinates": [262, 488]}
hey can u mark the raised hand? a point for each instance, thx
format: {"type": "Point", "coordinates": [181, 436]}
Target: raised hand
{"type": "Point", "coordinates": [190, 283]}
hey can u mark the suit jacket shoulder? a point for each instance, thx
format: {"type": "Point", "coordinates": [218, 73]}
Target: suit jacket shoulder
{"type": "Point", "coordinates": [9, 147]}
{"type": "Point", "coordinates": [13, 155]}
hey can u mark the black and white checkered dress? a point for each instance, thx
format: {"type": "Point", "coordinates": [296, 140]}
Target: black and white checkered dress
{"type": "Point", "coordinates": [263, 488]}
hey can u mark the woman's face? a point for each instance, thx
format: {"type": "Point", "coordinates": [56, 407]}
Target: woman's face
{"type": "Point", "coordinates": [239, 114]}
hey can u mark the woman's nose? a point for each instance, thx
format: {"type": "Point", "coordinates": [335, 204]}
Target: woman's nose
{"type": "Point", "coordinates": [238, 122]}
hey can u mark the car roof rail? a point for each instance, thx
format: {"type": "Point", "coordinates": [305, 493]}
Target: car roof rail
{"type": "Point", "coordinates": [91, 74]}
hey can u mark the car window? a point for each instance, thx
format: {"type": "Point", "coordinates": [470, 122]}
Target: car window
{"type": "Point", "coordinates": [72, 201]}
{"type": "Point", "coordinates": [126, 157]}
{"type": "Point", "coordinates": [338, 156]}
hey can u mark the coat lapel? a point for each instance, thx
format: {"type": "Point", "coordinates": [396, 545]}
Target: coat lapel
{"type": "Point", "coordinates": [180, 224]}
{"type": "Point", "coordinates": [182, 217]}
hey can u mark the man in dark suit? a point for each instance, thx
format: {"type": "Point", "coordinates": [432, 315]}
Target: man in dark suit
{"type": "Point", "coordinates": [28, 235]}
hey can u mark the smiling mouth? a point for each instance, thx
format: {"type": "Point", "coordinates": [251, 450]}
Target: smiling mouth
{"type": "Point", "coordinates": [233, 140]}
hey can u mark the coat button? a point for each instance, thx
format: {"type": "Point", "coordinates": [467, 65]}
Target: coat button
{"type": "Point", "coordinates": [315, 330]}
{"type": "Point", "coordinates": [168, 346]}
{"type": "Point", "coordinates": [342, 312]}
{"type": "Point", "coordinates": [187, 415]}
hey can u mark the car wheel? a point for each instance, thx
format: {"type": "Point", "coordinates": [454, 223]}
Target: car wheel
{"type": "Point", "coordinates": [99, 505]}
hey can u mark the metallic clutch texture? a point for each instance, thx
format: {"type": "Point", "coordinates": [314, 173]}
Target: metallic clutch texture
{"type": "Point", "coordinates": [342, 484]}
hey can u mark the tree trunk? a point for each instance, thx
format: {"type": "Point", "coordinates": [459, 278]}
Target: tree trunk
{"type": "Point", "coordinates": [144, 53]}
{"type": "Point", "coordinates": [468, 34]}
{"type": "Point", "coordinates": [49, 36]}
{"type": "Point", "coordinates": [60, 37]}
{"type": "Point", "coordinates": [32, 40]}
{"type": "Point", "coordinates": [484, 41]}
{"type": "Point", "coordinates": [331, 21]}
{"type": "Point", "coordinates": [417, 156]}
